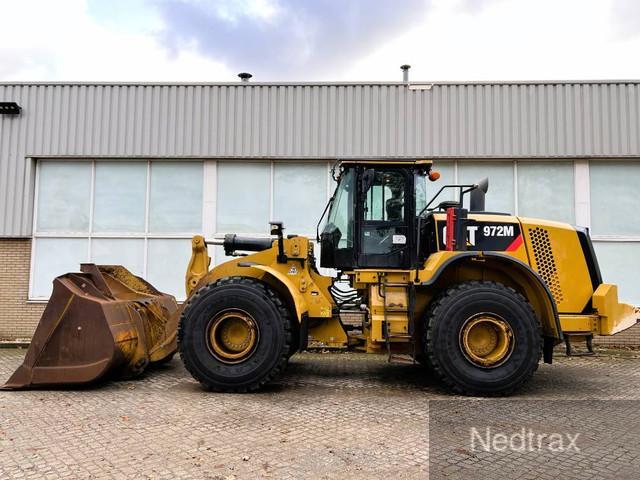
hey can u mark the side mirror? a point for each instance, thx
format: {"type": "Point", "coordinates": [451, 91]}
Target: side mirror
{"type": "Point", "coordinates": [476, 197]}
{"type": "Point", "coordinates": [276, 229]}
{"type": "Point", "coordinates": [367, 179]}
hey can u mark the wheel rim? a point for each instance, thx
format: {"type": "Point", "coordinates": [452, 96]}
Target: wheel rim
{"type": "Point", "coordinates": [486, 340]}
{"type": "Point", "coordinates": [233, 336]}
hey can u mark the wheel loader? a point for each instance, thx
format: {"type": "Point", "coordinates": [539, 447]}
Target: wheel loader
{"type": "Point", "coordinates": [476, 297]}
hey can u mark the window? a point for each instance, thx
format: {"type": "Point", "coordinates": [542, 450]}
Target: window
{"type": "Point", "coordinates": [500, 197]}
{"type": "Point", "coordinates": [422, 192]}
{"type": "Point", "coordinates": [136, 213]}
{"type": "Point", "coordinates": [64, 198]}
{"type": "Point", "coordinates": [244, 197]}
{"type": "Point", "coordinates": [128, 252]}
{"type": "Point", "coordinates": [341, 213]}
{"type": "Point", "coordinates": [384, 235]}
{"type": "Point", "coordinates": [546, 190]}
{"type": "Point", "coordinates": [385, 197]}
{"type": "Point", "coordinates": [619, 263]}
{"type": "Point", "coordinates": [615, 223]}
{"type": "Point", "coordinates": [614, 198]}
{"type": "Point", "coordinates": [54, 256]}
{"type": "Point", "coordinates": [175, 197]}
{"type": "Point", "coordinates": [120, 197]}
{"type": "Point", "coordinates": [300, 195]}
{"type": "Point", "coordinates": [250, 194]}
{"type": "Point", "coordinates": [142, 214]}
{"type": "Point", "coordinates": [167, 263]}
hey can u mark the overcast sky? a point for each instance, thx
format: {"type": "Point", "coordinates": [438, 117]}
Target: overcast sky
{"type": "Point", "coordinates": [323, 40]}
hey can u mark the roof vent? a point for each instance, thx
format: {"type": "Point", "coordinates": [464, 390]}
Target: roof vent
{"type": "Point", "coordinates": [244, 77]}
{"type": "Point", "coordinates": [405, 72]}
{"type": "Point", "coordinates": [10, 108]}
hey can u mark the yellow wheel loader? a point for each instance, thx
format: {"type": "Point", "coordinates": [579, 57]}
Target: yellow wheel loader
{"type": "Point", "coordinates": [477, 297]}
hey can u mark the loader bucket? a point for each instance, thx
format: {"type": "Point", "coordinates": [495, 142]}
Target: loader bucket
{"type": "Point", "coordinates": [103, 322]}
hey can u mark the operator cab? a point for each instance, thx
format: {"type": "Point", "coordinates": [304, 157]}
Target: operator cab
{"type": "Point", "coordinates": [379, 216]}
{"type": "Point", "coordinates": [372, 215]}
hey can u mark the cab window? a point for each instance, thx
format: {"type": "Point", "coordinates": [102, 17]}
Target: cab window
{"type": "Point", "coordinates": [341, 213]}
{"type": "Point", "coordinates": [384, 239]}
{"type": "Point", "coordinates": [385, 198]}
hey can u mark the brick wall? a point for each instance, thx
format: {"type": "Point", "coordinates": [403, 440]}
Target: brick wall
{"type": "Point", "coordinates": [18, 319]}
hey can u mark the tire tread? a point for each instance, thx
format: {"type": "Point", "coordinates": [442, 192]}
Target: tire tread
{"type": "Point", "coordinates": [433, 313]}
{"type": "Point", "coordinates": [267, 293]}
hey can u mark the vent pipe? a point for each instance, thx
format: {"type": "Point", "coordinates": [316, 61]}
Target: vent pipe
{"type": "Point", "coordinates": [405, 72]}
{"type": "Point", "coordinates": [244, 77]}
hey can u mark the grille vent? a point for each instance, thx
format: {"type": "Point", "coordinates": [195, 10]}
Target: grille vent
{"type": "Point", "coordinates": [545, 261]}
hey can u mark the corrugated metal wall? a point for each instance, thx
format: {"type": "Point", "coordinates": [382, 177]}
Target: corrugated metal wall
{"type": "Point", "coordinates": [297, 121]}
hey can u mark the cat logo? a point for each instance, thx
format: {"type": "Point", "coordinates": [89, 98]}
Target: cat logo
{"type": "Point", "coordinates": [494, 236]}
{"type": "Point", "coordinates": [471, 234]}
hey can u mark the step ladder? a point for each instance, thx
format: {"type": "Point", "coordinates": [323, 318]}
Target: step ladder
{"type": "Point", "coordinates": [588, 340]}
{"type": "Point", "coordinates": [408, 310]}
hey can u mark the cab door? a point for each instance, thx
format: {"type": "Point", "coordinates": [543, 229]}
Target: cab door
{"type": "Point", "coordinates": [385, 216]}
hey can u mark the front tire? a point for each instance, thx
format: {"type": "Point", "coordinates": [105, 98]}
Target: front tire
{"type": "Point", "coordinates": [234, 335]}
{"type": "Point", "coordinates": [482, 338]}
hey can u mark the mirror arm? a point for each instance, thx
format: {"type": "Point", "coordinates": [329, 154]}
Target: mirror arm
{"type": "Point", "coordinates": [324, 212]}
{"type": "Point", "coordinates": [461, 187]}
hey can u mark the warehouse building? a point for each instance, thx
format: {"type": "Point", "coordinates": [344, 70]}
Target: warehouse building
{"type": "Point", "coordinates": [127, 173]}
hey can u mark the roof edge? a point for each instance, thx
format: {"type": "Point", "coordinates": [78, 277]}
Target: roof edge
{"type": "Point", "coordinates": [320, 84]}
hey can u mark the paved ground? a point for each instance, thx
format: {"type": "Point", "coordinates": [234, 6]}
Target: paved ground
{"type": "Point", "coordinates": [331, 416]}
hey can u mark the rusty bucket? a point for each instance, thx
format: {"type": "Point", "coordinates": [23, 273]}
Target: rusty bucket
{"type": "Point", "coordinates": [103, 322]}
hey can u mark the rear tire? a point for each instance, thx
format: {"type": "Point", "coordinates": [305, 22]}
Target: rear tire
{"type": "Point", "coordinates": [478, 362]}
{"type": "Point", "coordinates": [256, 357]}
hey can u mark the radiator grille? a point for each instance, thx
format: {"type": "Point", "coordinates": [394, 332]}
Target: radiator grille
{"type": "Point", "coordinates": [545, 261]}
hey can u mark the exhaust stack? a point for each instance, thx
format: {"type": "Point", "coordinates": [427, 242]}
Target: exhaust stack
{"type": "Point", "coordinates": [405, 72]}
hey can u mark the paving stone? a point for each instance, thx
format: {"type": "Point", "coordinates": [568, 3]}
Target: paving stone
{"type": "Point", "coordinates": [330, 416]}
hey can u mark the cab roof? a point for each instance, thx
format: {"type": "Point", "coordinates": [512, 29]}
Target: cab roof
{"type": "Point", "coordinates": [386, 161]}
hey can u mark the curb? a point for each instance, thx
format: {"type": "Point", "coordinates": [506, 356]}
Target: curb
{"type": "Point", "coordinates": [15, 344]}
